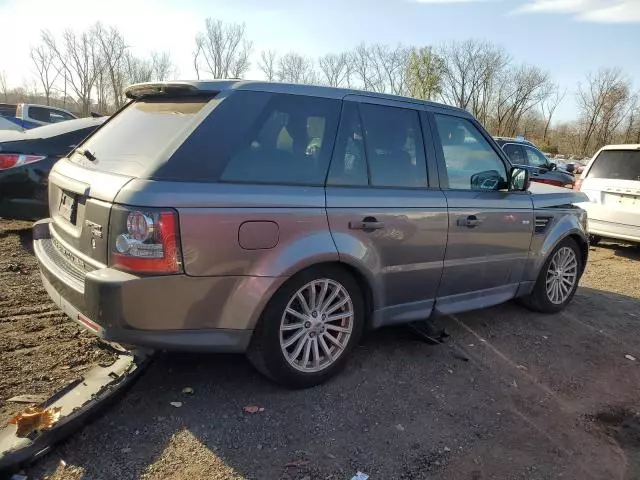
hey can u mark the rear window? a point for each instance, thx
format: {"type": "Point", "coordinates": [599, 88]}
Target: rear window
{"type": "Point", "coordinates": [133, 141]}
{"type": "Point", "coordinates": [616, 164]}
{"type": "Point", "coordinates": [289, 143]}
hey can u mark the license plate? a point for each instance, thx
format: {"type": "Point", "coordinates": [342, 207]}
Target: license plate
{"type": "Point", "coordinates": [68, 207]}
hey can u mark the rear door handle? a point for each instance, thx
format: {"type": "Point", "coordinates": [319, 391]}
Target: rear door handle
{"type": "Point", "coordinates": [470, 222]}
{"type": "Point", "coordinates": [368, 223]}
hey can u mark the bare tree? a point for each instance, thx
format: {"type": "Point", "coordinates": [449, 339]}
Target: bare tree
{"type": "Point", "coordinates": [137, 69]}
{"type": "Point", "coordinates": [111, 77]}
{"type": "Point", "coordinates": [424, 73]}
{"type": "Point", "coordinates": [224, 49]}
{"type": "Point", "coordinates": [79, 62]}
{"type": "Point", "coordinates": [335, 69]}
{"type": "Point", "coordinates": [363, 72]}
{"type": "Point", "coordinates": [163, 68]}
{"type": "Point", "coordinates": [267, 64]}
{"type": "Point", "coordinates": [549, 105]}
{"type": "Point", "coordinates": [470, 74]}
{"type": "Point", "coordinates": [43, 59]}
{"type": "Point", "coordinates": [520, 89]}
{"type": "Point", "coordinates": [602, 104]}
{"type": "Point", "coordinates": [295, 68]}
{"type": "Point", "coordinates": [3, 85]}
{"type": "Point", "coordinates": [380, 68]}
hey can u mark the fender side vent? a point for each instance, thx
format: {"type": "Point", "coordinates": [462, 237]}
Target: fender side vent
{"type": "Point", "coordinates": [542, 223]}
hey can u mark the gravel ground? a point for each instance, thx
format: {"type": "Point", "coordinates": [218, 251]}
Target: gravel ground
{"type": "Point", "coordinates": [511, 395]}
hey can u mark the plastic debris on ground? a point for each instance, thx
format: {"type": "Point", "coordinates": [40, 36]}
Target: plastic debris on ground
{"type": "Point", "coordinates": [630, 357]}
{"type": "Point", "coordinates": [360, 476]}
{"type": "Point", "coordinates": [33, 419]}
{"type": "Point", "coordinates": [253, 409]}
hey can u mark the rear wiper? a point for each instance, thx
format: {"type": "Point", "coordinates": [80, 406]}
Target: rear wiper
{"type": "Point", "coordinates": [87, 153]}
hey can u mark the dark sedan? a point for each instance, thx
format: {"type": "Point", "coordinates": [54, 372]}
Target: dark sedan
{"type": "Point", "coordinates": [26, 159]}
{"type": "Point", "coordinates": [524, 154]}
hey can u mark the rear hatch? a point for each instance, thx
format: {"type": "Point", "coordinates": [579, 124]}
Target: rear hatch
{"type": "Point", "coordinates": [84, 186]}
{"type": "Point", "coordinates": [612, 184]}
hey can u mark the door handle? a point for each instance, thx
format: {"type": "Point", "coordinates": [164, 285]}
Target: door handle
{"type": "Point", "coordinates": [368, 223]}
{"type": "Point", "coordinates": [470, 222]}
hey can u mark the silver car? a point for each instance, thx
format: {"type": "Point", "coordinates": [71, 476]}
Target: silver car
{"type": "Point", "coordinates": [283, 220]}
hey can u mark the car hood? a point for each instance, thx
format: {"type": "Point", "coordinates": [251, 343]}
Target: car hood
{"type": "Point", "coordinates": [546, 196]}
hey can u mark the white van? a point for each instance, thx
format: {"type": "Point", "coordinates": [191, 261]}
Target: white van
{"type": "Point", "coordinates": [611, 180]}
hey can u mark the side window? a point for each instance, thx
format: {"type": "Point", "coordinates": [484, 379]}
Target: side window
{"type": "Point", "coordinates": [393, 144]}
{"type": "Point", "coordinates": [40, 114]}
{"type": "Point", "coordinates": [515, 154]}
{"type": "Point", "coordinates": [536, 158]}
{"type": "Point", "coordinates": [349, 165]}
{"type": "Point", "coordinates": [58, 116]}
{"type": "Point", "coordinates": [290, 142]}
{"type": "Point", "coordinates": [472, 164]}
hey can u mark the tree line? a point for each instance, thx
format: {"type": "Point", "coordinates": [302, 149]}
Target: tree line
{"type": "Point", "coordinates": [89, 71]}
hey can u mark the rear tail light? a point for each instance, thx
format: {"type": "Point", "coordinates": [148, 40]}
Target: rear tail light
{"type": "Point", "coordinates": [145, 241]}
{"type": "Point", "coordinates": [577, 185]}
{"type": "Point", "coordinates": [12, 160]}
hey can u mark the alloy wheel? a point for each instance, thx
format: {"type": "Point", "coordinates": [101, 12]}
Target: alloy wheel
{"type": "Point", "coordinates": [316, 325]}
{"type": "Point", "coordinates": [562, 275]}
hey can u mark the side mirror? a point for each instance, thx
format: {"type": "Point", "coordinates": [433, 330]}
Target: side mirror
{"type": "Point", "coordinates": [570, 168]}
{"type": "Point", "coordinates": [518, 179]}
{"type": "Point", "coordinates": [552, 166]}
{"type": "Point", "coordinates": [487, 180]}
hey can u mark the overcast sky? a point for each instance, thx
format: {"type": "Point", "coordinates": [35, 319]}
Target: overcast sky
{"type": "Point", "coordinates": [566, 37]}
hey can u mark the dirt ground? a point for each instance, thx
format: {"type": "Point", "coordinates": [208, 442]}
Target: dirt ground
{"type": "Point", "coordinates": [511, 395]}
{"type": "Point", "coordinates": [40, 350]}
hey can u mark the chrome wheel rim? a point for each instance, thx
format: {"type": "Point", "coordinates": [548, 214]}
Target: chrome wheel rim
{"type": "Point", "coordinates": [562, 275]}
{"type": "Point", "coordinates": [316, 325]}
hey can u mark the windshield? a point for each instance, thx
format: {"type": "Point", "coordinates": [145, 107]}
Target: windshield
{"type": "Point", "coordinates": [616, 164]}
{"type": "Point", "coordinates": [136, 137]}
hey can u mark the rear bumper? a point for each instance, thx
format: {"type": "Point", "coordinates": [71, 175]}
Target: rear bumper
{"type": "Point", "coordinates": [174, 312]}
{"type": "Point", "coordinates": [613, 230]}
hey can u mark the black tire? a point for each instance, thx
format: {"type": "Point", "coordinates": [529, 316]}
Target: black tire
{"type": "Point", "coordinates": [265, 352]}
{"type": "Point", "coordinates": [539, 300]}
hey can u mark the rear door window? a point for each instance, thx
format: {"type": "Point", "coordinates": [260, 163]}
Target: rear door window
{"type": "Point", "coordinates": [289, 143]}
{"type": "Point", "coordinates": [349, 164]}
{"type": "Point", "coordinates": [135, 138]}
{"type": "Point", "coordinates": [393, 142]}
{"type": "Point", "coordinates": [616, 164]}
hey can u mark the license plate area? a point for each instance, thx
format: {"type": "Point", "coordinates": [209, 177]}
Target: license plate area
{"type": "Point", "coordinates": [68, 208]}
{"type": "Point", "coordinates": [621, 199]}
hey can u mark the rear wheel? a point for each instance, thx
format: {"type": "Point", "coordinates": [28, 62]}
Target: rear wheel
{"type": "Point", "coordinates": [309, 328]}
{"type": "Point", "coordinates": [558, 279]}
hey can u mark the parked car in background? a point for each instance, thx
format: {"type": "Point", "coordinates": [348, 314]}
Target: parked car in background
{"type": "Point", "coordinates": [283, 220]}
{"type": "Point", "coordinates": [24, 116]}
{"type": "Point", "coordinates": [25, 161]}
{"type": "Point", "coordinates": [523, 153]}
{"type": "Point", "coordinates": [612, 182]}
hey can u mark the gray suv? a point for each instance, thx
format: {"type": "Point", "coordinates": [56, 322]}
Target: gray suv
{"type": "Point", "coordinates": [283, 220]}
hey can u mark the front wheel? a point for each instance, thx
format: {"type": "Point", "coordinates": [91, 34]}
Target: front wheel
{"type": "Point", "coordinates": [309, 328]}
{"type": "Point", "coordinates": [558, 279]}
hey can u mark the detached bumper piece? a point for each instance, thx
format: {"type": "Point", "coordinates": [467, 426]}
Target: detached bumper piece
{"type": "Point", "coordinates": [74, 405]}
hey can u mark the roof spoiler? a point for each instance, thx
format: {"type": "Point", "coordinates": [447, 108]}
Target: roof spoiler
{"type": "Point", "coordinates": [141, 90]}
